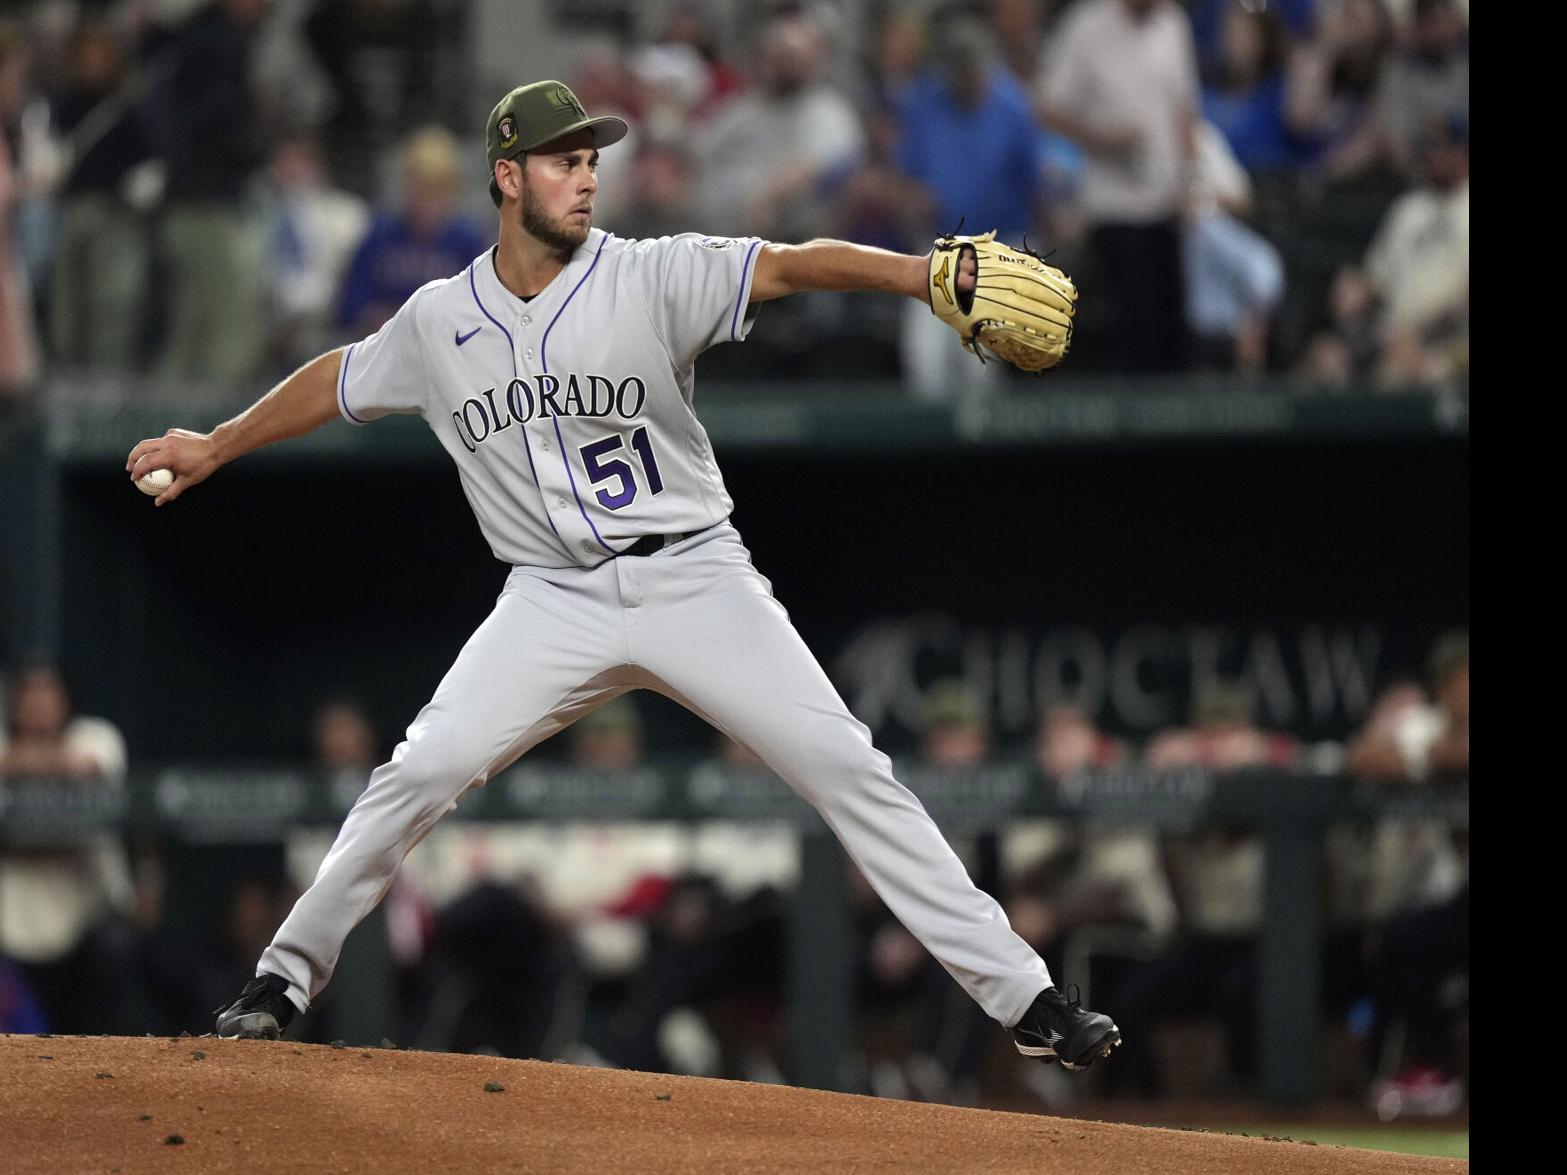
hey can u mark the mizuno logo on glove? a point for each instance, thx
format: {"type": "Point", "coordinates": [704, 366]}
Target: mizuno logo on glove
{"type": "Point", "coordinates": [939, 281]}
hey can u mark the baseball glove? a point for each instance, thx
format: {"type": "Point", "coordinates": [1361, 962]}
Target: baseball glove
{"type": "Point", "coordinates": [1021, 309]}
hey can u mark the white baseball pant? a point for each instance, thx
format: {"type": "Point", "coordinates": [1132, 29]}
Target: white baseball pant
{"type": "Point", "coordinates": [698, 623]}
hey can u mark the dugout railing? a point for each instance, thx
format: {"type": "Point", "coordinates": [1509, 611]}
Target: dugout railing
{"type": "Point", "coordinates": [214, 807]}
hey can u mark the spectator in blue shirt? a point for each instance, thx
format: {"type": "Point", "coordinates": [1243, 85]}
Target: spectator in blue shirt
{"type": "Point", "coordinates": [970, 139]}
{"type": "Point", "coordinates": [1331, 85]}
{"type": "Point", "coordinates": [970, 142]}
{"type": "Point", "coordinates": [1234, 276]}
{"type": "Point", "coordinates": [425, 238]}
{"type": "Point", "coordinates": [1244, 92]}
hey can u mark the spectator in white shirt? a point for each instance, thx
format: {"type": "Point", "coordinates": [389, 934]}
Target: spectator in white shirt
{"type": "Point", "coordinates": [57, 904]}
{"type": "Point", "coordinates": [312, 231]}
{"type": "Point", "coordinates": [1122, 82]}
{"type": "Point", "coordinates": [1419, 264]}
{"type": "Point", "coordinates": [765, 153]}
{"type": "Point", "coordinates": [1418, 893]}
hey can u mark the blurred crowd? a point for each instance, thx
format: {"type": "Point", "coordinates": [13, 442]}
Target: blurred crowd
{"type": "Point", "coordinates": [665, 947]}
{"type": "Point", "coordinates": [211, 193]}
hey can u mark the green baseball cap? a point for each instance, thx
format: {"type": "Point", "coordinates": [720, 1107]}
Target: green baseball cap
{"type": "Point", "coordinates": [540, 113]}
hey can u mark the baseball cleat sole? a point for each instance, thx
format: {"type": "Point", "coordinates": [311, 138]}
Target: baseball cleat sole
{"type": "Point", "coordinates": [1035, 1051]}
{"type": "Point", "coordinates": [1100, 1048]}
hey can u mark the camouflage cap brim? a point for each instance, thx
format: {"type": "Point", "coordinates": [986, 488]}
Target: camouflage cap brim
{"type": "Point", "coordinates": [540, 113]}
{"type": "Point", "coordinates": [606, 129]}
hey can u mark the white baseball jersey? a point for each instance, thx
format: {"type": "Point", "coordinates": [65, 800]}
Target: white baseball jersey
{"type": "Point", "coordinates": [569, 415]}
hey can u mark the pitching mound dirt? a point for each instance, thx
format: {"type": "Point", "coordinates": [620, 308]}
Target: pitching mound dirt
{"type": "Point", "coordinates": [112, 1104]}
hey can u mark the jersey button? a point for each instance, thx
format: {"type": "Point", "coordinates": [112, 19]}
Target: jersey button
{"type": "Point", "coordinates": [529, 353]}
{"type": "Point", "coordinates": [561, 502]}
{"type": "Point", "coordinates": [526, 321]}
{"type": "Point", "coordinates": [588, 547]}
{"type": "Point", "coordinates": [545, 445]}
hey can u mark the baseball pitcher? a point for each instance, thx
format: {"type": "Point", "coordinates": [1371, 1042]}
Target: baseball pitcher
{"type": "Point", "coordinates": [558, 371]}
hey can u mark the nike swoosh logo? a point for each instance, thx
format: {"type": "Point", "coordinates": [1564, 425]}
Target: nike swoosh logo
{"type": "Point", "coordinates": [460, 339]}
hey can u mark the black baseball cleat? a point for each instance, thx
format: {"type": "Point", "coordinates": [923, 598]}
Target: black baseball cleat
{"type": "Point", "coordinates": [262, 1011]}
{"type": "Point", "coordinates": [1061, 1028]}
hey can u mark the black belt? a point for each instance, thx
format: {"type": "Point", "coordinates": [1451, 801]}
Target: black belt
{"type": "Point", "coordinates": [653, 543]}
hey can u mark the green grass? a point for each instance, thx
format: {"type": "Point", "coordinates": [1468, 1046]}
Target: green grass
{"type": "Point", "coordinates": [1444, 1144]}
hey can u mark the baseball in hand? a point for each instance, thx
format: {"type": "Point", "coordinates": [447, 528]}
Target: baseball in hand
{"type": "Point", "coordinates": [156, 482]}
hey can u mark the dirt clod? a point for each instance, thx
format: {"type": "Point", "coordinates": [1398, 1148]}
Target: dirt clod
{"type": "Point", "coordinates": [198, 1055]}
{"type": "Point", "coordinates": [102, 1076]}
{"type": "Point", "coordinates": [340, 1044]}
{"type": "Point", "coordinates": [494, 1087]}
{"type": "Point", "coordinates": [662, 1097]}
{"type": "Point", "coordinates": [174, 1140]}
{"type": "Point", "coordinates": [144, 1118]}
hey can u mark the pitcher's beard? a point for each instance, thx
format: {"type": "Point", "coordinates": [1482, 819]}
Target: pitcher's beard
{"type": "Point", "coordinates": [557, 234]}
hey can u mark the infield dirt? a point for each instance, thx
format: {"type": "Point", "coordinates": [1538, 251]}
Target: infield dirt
{"type": "Point", "coordinates": [116, 1104]}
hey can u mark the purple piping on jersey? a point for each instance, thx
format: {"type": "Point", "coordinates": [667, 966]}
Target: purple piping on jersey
{"type": "Point", "coordinates": [512, 347]}
{"type": "Point", "coordinates": [544, 363]}
{"type": "Point", "coordinates": [342, 386]}
{"type": "Point", "coordinates": [734, 323]}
